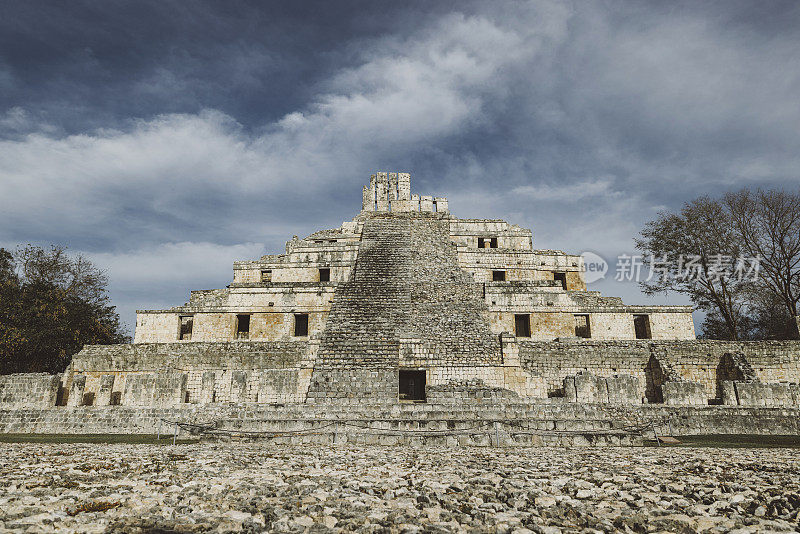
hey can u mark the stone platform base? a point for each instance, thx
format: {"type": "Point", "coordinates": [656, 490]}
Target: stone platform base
{"type": "Point", "coordinates": [509, 424]}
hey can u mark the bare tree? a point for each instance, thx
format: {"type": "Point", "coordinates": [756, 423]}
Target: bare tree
{"type": "Point", "coordinates": [767, 224]}
{"type": "Point", "coordinates": [702, 232]}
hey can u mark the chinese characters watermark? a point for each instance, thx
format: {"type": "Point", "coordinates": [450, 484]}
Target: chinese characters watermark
{"type": "Point", "coordinates": [686, 268]}
{"type": "Point", "coordinates": [683, 268]}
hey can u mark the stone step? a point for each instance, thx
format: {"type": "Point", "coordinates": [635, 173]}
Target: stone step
{"type": "Point", "coordinates": [406, 281]}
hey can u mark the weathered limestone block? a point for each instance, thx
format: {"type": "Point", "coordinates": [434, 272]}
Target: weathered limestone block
{"type": "Point", "coordinates": [169, 389]}
{"type": "Point", "coordinates": [570, 394]}
{"type": "Point", "coordinates": [76, 391]}
{"type": "Point", "coordinates": [524, 383]}
{"type": "Point", "coordinates": [138, 389]}
{"type": "Point", "coordinates": [239, 386]}
{"type": "Point", "coordinates": [367, 202]}
{"type": "Point", "coordinates": [104, 393]}
{"type": "Point", "coordinates": [590, 388]}
{"type": "Point", "coordinates": [786, 395]}
{"type": "Point", "coordinates": [469, 391]}
{"type": "Point", "coordinates": [586, 387]}
{"type": "Point", "coordinates": [623, 389]}
{"type": "Point", "coordinates": [163, 389]}
{"type": "Point", "coordinates": [207, 388]}
{"type": "Point", "coordinates": [510, 349]}
{"type": "Point", "coordinates": [281, 385]}
{"type": "Point", "coordinates": [750, 393]}
{"type": "Point", "coordinates": [728, 391]}
{"type": "Point", "coordinates": [770, 395]}
{"type": "Point", "coordinates": [29, 390]}
{"type": "Point", "coordinates": [683, 392]}
{"type": "Point", "coordinates": [426, 204]}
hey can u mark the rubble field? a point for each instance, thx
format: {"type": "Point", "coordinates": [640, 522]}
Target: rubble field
{"type": "Point", "coordinates": [252, 487]}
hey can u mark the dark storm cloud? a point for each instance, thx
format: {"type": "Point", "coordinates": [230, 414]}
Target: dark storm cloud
{"type": "Point", "coordinates": [90, 64]}
{"type": "Point", "coordinates": [169, 138]}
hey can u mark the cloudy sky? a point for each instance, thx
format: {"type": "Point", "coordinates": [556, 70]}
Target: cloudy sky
{"type": "Point", "coordinates": [167, 139]}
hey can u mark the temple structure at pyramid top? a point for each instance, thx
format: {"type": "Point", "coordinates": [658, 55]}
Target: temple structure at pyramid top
{"type": "Point", "coordinates": [391, 192]}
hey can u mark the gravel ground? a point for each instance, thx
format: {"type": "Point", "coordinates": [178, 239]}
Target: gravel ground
{"type": "Point", "coordinates": [257, 487]}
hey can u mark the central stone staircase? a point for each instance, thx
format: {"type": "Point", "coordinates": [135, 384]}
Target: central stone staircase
{"type": "Point", "coordinates": [407, 285]}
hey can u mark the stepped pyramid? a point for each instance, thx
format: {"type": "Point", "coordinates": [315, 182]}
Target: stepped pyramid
{"type": "Point", "coordinates": [403, 298]}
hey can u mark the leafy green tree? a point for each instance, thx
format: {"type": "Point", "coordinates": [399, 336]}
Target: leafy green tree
{"type": "Point", "coordinates": [51, 304]}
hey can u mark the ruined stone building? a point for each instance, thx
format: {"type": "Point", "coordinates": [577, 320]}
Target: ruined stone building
{"type": "Point", "coordinates": [408, 303]}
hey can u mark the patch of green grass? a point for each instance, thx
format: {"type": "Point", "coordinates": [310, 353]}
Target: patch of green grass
{"type": "Point", "coordinates": [734, 441]}
{"type": "Point", "coordinates": [148, 439]}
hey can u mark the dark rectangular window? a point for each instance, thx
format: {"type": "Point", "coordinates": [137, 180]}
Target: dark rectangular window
{"type": "Point", "coordinates": [493, 243]}
{"type": "Point", "coordinates": [522, 325]}
{"type": "Point", "coordinates": [561, 277]}
{"type": "Point", "coordinates": [325, 275]}
{"type": "Point", "coordinates": [242, 326]}
{"type": "Point", "coordinates": [498, 276]}
{"type": "Point", "coordinates": [641, 325]}
{"type": "Point", "coordinates": [480, 242]}
{"type": "Point", "coordinates": [300, 324]}
{"type": "Point", "coordinates": [88, 399]}
{"type": "Point", "coordinates": [61, 395]}
{"type": "Point", "coordinates": [412, 385]}
{"type": "Point", "coordinates": [582, 328]}
{"type": "Point", "coordinates": [186, 327]}
{"type": "Point", "coordinates": [266, 275]}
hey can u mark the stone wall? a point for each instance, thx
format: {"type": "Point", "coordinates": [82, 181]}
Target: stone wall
{"type": "Point", "coordinates": [760, 394]}
{"type": "Point", "coordinates": [272, 317]}
{"type": "Point", "coordinates": [693, 361]}
{"type": "Point", "coordinates": [168, 374]}
{"type": "Point", "coordinates": [162, 389]}
{"type": "Point", "coordinates": [588, 388]}
{"type": "Point", "coordinates": [29, 390]}
{"type": "Point", "coordinates": [680, 392]}
{"type": "Point", "coordinates": [673, 373]}
{"type": "Point", "coordinates": [464, 409]}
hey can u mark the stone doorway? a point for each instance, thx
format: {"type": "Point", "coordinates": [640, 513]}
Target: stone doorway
{"type": "Point", "coordinates": [412, 385]}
